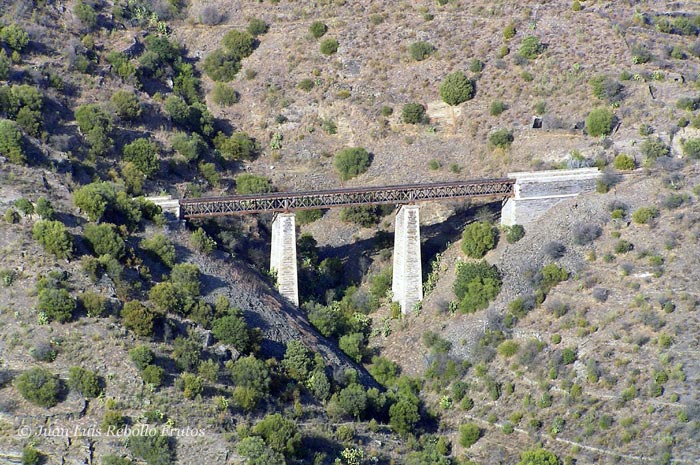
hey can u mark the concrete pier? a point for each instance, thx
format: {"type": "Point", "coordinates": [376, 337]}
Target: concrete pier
{"type": "Point", "coordinates": [538, 191]}
{"type": "Point", "coordinates": [283, 256]}
{"type": "Point", "coordinates": [407, 283]}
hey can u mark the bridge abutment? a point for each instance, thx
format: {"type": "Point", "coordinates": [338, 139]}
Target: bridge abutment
{"type": "Point", "coordinates": [538, 191]}
{"type": "Point", "coordinates": [283, 256]}
{"type": "Point", "coordinates": [407, 282]}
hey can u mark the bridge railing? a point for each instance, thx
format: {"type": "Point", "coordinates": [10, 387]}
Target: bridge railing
{"type": "Point", "coordinates": [291, 201]}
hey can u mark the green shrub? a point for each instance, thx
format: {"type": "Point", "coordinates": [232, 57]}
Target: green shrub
{"type": "Point", "coordinates": [202, 242]}
{"type": "Point", "coordinates": [240, 146]}
{"type": "Point", "coordinates": [257, 27]}
{"type": "Point", "coordinates": [508, 348]}
{"type": "Point", "coordinates": [308, 216]}
{"type": "Point", "coordinates": [501, 138]}
{"type": "Point", "coordinates": [434, 164]}
{"type": "Point", "coordinates": [14, 36]}
{"type": "Point", "coordinates": [86, 14]}
{"type": "Point", "coordinates": [552, 274]}
{"type": "Point", "coordinates": [12, 216]}
{"type": "Point", "coordinates": [353, 345]}
{"type": "Point", "coordinates": [623, 162]}
{"type": "Point", "coordinates": [104, 240]}
{"type": "Point", "coordinates": [160, 246]}
{"type": "Point", "coordinates": [257, 452]}
{"type": "Point", "coordinates": [623, 246]}
{"type": "Point", "coordinates": [509, 31]}
{"type": "Point", "coordinates": [576, 6]}
{"type": "Point", "coordinates": [644, 215]}
{"type": "Point", "coordinates": [144, 154]}
{"type": "Point", "coordinates": [538, 457]}
{"type": "Point", "coordinates": [403, 416]}
{"type": "Point", "coordinates": [318, 29]}
{"type": "Point", "coordinates": [476, 285]}
{"type": "Point", "coordinates": [44, 208]}
{"type": "Point", "coordinates": [421, 50]}
{"type": "Point", "coordinates": [31, 456]}
{"type": "Point", "coordinates": [85, 382]}
{"type": "Point", "coordinates": [233, 330]}
{"type": "Point", "coordinates": [11, 142]}
{"type": "Point", "coordinates": [54, 237]}
{"type": "Point", "coordinates": [142, 356]}
{"type": "Point", "coordinates": [153, 449]}
{"type": "Point", "coordinates": [222, 65]}
{"type": "Point", "coordinates": [691, 148]}
{"type": "Point", "coordinates": [530, 48]}
{"type": "Point", "coordinates": [252, 380]}
{"type": "Point", "coordinates": [413, 113]}
{"type": "Point", "coordinates": [57, 304]}
{"type": "Point", "coordinates": [514, 233]}
{"type": "Point", "coordinates": [351, 162]}
{"type": "Point", "coordinates": [329, 46]}
{"type": "Point", "coordinates": [95, 125]}
{"type": "Point", "coordinates": [240, 43]}
{"type": "Point", "coordinates": [94, 304]}
{"type": "Point", "coordinates": [456, 88]}
{"type": "Point", "coordinates": [280, 434]}
{"type": "Point", "coordinates": [366, 216]}
{"type": "Point", "coordinates": [153, 374]}
{"type": "Point", "coordinates": [252, 184]}
{"type": "Point", "coordinates": [478, 238]}
{"type": "Point", "coordinates": [95, 198]}
{"type": "Point", "coordinates": [115, 460]}
{"type": "Point", "coordinates": [469, 433]}
{"type": "Point", "coordinates": [599, 122]}
{"type": "Point", "coordinates": [224, 95]}
{"type": "Point", "coordinates": [191, 385]}
{"type": "Point", "coordinates": [126, 104]}
{"type": "Point", "coordinates": [138, 318]}
{"type": "Point", "coordinates": [653, 148]}
{"type": "Point", "coordinates": [497, 107]}
{"type": "Point", "coordinates": [5, 65]}
{"type": "Point", "coordinates": [39, 386]}
{"type": "Point", "coordinates": [306, 84]}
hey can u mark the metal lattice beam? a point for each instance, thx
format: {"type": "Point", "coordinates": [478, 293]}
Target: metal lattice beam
{"type": "Point", "coordinates": [291, 201]}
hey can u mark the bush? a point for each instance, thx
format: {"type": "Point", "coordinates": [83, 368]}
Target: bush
{"type": "Point", "coordinates": [138, 318]}
{"type": "Point", "coordinates": [240, 146]}
{"type": "Point", "coordinates": [95, 125]}
{"type": "Point", "coordinates": [31, 456]}
{"type": "Point", "coordinates": [210, 16]}
{"type": "Point", "coordinates": [599, 122]}
{"type": "Point", "coordinates": [318, 29]}
{"type": "Point", "coordinates": [403, 416]}
{"type": "Point", "coordinates": [252, 184]}
{"type": "Point", "coordinates": [644, 215]}
{"type": "Point", "coordinates": [329, 46]}
{"type": "Point", "coordinates": [476, 65]}
{"type": "Point", "coordinates": [476, 285]}
{"type": "Point", "coordinates": [568, 356]}
{"type": "Point", "coordinates": [552, 275]}
{"type": "Point", "coordinates": [191, 147]}
{"type": "Point", "coordinates": [93, 303]}
{"type": "Point", "coordinates": [54, 237]}
{"type": "Point", "coordinates": [691, 148]}
{"type": "Point", "coordinates": [44, 208]}
{"type": "Point", "coordinates": [160, 246]}
{"type": "Point", "coordinates": [126, 104]}
{"type": "Point", "coordinates": [39, 386]}
{"type": "Point", "coordinates": [95, 198]}
{"type": "Point", "coordinates": [508, 348]}
{"type": "Point", "coordinates": [142, 356]}
{"type": "Point", "coordinates": [605, 88]}
{"type": "Point", "coordinates": [252, 380]}
{"type": "Point", "coordinates": [57, 304]}
{"type": "Point", "coordinates": [144, 154]}
{"type": "Point", "coordinates": [351, 162]}
{"type": "Point", "coordinates": [280, 434]}
{"type": "Point", "coordinates": [497, 107]}
{"type": "Point", "coordinates": [153, 374]}
{"type": "Point", "coordinates": [14, 36]}
{"type": "Point", "coordinates": [366, 216]}
{"type": "Point", "coordinates": [509, 31]}
{"type": "Point", "coordinates": [623, 162]}
{"type": "Point", "coordinates": [530, 48]}
{"type": "Point", "coordinates": [456, 88]}
{"type": "Point", "coordinates": [224, 95]}
{"type": "Point", "coordinates": [538, 457]}
{"type": "Point", "coordinates": [257, 27]}
{"type": "Point", "coordinates": [105, 240]}
{"type": "Point", "coordinates": [653, 148]}
{"type": "Point", "coordinates": [308, 216]}
{"type": "Point", "coordinates": [469, 433]}
{"type": "Point", "coordinates": [85, 382]}
{"type": "Point", "coordinates": [191, 385]}
{"type": "Point", "coordinates": [585, 233]}
{"type": "Point", "coordinates": [501, 138]}
{"type": "Point", "coordinates": [353, 345]}
{"type": "Point", "coordinates": [421, 50]}
{"type": "Point", "coordinates": [352, 400]}
{"type": "Point", "coordinates": [222, 65]}
{"type": "Point", "coordinates": [202, 242]}
{"type": "Point", "coordinates": [623, 246]}
{"type": "Point", "coordinates": [478, 238]}
{"type": "Point", "coordinates": [11, 142]}
{"type": "Point", "coordinates": [413, 113]}
{"type": "Point", "coordinates": [153, 449]}
{"type": "Point", "coordinates": [233, 330]}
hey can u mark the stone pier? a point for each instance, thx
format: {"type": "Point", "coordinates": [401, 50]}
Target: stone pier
{"type": "Point", "coordinates": [283, 256]}
{"type": "Point", "coordinates": [407, 283]}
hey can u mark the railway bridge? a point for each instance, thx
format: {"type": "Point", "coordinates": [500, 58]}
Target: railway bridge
{"type": "Point", "coordinates": [526, 196]}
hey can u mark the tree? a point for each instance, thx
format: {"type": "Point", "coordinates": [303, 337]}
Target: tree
{"type": "Point", "coordinates": [247, 183]}
{"type": "Point", "coordinates": [222, 65]}
{"type": "Point", "coordinates": [44, 208]}
{"type": "Point", "coordinates": [57, 304]}
{"type": "Point", "coordinates": [39, 386]}
{"type": "Point", "coordinates": [478, 238]}
{"type": "Point", "coordinates": [538, 457]}
{"type": "Point", "coordinates": [191, 146]}
{"type": "Point", "coordinates": [138, 318]}
{"type": "Point", "coordinates": [456, 88]}
{"type": "Point", "coordinates": [258, 453]}
{"type": "Point", "coordinates": [14, 36]}
{"type": "Point", "coordinates": [403, 416]}
{"type": "Point", "coordinates": [85, 382]}
{"type": "Point", "coordinates": [104, 240]}
{"type": "Point", "coordinates": [126, 104]}
{"type": "Point", "coordinates": [469, 433]}
{"type": "Point", "coordinates": [353, 345]}
{"type": "Point", "coordinates": [186, 277]}
{"type": "Point", "coordinates": [187, 353]}
{"type": "Point", "coordinates": [599, 122]}
{"type": "Point", "coordinates": [252, 380]}
{"type": "Point", "coordinates": [95, 125]}
{"type": "Point", "coordinates": [329, 46]}
{"type": "Point", "coordinates": [476, 284]}
{"type": "Point", "coordinates": [54, 237]}
{"type": "Point", "coordinates": [413, 113]}
{"type": "Point", "coordinates": [153, 449]}
{"type": "Point", "coordinates": [240, 43]}
{"type": "Point", "coordinates": [351, 162]}
{"type": "Point", "coordinates": [501, 138]}
{"type": "Point", "coordinates": [232, 329]}
{"type": "Point", "coordinates": [94, 199]}
{"type": "Point", "coordinates": [297, 361]}
{"type": "Point", "coordinates": [421, 50]}
{"type": "Point", "coordinates": [280, 434]}
{"type": "Point", "coordinates": [352, 400]}
{"type": "Point", "coordinates": [142, 356]}
{"type": "Point", "coordinates": [160, 246]}
{"type": "Point", "coordinates": [144, 154]}
{"type": "Point", "coordinates": [240, 146]}
{"type": "Point", "coordinates": [318, 29]}
{"type": "Point", "coordinates": [5, 65]}
{"type": "Point", "coordinates": [11, 142]}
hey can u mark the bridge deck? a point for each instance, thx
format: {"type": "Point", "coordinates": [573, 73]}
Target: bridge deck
{"type": "Point", "coordinates": [290, 201]}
